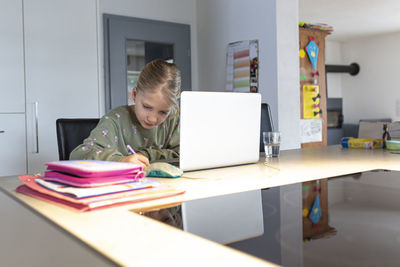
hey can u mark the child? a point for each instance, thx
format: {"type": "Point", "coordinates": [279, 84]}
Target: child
{"type": "Point", "coordinates": [150, 127]}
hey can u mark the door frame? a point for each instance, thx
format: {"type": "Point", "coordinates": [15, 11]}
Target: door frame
{"type": "Point", "coordinates": [117, 29]}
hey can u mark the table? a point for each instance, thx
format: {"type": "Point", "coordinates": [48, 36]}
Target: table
{"type": "Point", "coordinates": [117, 232]}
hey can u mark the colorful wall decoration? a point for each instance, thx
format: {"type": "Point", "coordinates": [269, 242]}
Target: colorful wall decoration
{"type": "Point", "coordinates": [242, 62]}
{"type": "Point", "coordinates": [311, 101]}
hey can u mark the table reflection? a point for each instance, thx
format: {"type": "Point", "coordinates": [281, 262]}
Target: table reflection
{"type": "Point", "coordinates": [359, 223]}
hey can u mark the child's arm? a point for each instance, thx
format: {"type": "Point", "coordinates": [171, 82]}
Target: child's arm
{"type": "Point", "coordinates": [106, 143]}
{"type": "Point", "coordinates": [170, 149]}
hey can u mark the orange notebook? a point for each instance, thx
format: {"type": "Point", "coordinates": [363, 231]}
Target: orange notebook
{"type": "Point", "coordinates": [31, 188]}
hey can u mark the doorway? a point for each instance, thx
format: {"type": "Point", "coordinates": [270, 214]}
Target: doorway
{"type": "Point", "coordinates": [130, 43]}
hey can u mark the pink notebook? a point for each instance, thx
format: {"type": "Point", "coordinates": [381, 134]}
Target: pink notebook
{"type": "Point", "coordinates": [93, 168]}
{"type": "Point", "coordinates": [90, 181]}
{"type": "Point", "coordinates": [31, 188]}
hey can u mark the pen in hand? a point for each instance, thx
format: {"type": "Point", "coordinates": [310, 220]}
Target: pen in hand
{"type": "Point", "coordinates": [139, 158]}
{"type": "Point", "coordinates": [130, 149]}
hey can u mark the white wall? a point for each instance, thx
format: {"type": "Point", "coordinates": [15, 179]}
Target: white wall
{"type": "Point", "coordinates": [287, 39]}
{"type": "Point", "coordinates": [333, 56]}
{"type": "Point", "coordinates": [224, 21]}
{"type": "Point", "coordinates": [179, 11]}
{"type": "Point", "coordinates": [375, 91]}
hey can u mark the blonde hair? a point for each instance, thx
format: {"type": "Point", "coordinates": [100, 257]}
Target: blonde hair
{"type": "Point", "coordinates": [161, 74]}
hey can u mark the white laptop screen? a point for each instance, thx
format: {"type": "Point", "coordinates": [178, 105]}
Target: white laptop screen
{"type": "Point", "coordinates": [219, 129]}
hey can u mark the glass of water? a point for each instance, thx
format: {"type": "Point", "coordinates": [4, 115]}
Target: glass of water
{"type": "Point", "coordinates": [272, 142]}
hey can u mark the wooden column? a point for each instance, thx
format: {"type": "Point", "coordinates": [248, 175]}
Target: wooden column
{"type": "Point", "coordinates": [311, 189]}
{"type": "Point", "coordinates": [307, 69]}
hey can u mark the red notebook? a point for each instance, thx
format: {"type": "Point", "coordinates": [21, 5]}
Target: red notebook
{"type": "Point", "coordinates": [93, 168]}
{"type": "Point", "coordinates": [31, 188]}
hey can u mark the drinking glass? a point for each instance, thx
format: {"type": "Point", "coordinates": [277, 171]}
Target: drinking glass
{"type": "Point", "coordinates": [272, 141]}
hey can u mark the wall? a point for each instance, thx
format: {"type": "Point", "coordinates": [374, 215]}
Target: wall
{"type": "Point", "coordinates": [222, 22]}
{"type": "Point", "coordinates": [333, 56]}
{"type": "Point", "coordinates": [374, 92]}
{"type": "Point", "coordinates": [179, 11]}
{"type": "Point", "coordinates": [287, 39]}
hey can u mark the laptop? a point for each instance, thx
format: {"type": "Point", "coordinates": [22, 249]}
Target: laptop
{"type": "Point", "coordinates": [219, 129]}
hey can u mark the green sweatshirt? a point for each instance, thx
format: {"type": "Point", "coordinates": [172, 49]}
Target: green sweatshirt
{"type": "Point", "coordinates": [119, 128]}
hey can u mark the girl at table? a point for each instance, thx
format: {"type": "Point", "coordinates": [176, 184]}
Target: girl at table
{"type": "Point", "coordinates": [150, 127]}
{"type": "Point", "coordinates": [144, 132]}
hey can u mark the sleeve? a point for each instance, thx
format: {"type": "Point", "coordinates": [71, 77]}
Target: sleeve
{"type": "Point", "coordinates": [102, 144]}
{"type": "Point", "coordinates": [171, 148]}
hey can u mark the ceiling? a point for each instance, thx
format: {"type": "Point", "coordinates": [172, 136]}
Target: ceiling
{"type": "Point", "coordinates": [353, 18]}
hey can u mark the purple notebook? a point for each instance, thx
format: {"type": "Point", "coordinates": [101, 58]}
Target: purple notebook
{"type": "Point", "coordinates": [91, 181]}
{"type": "Point", "coordinates": [94, 168]}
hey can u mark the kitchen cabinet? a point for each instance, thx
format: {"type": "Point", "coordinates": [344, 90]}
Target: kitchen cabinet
{"type": "Point", "coordinates": [12, 89]}
{"type": "Point", "coordinates": [61, 70]}
{"type": "Point", "coordinates": [50, 52]}
{"type": "Point", "coordinates": [12, 143]}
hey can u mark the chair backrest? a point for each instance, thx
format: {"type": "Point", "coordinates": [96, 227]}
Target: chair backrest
{"type": "Point", "coordinates": [372, 128]}
{"type": "Point", "coordinates": [267, 125]}
{"type": "Point", "coordinates": [71, 133]}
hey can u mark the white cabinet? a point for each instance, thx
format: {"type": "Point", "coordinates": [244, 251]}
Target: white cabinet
{"type": "Point", "coordinates": [12, 90]}
{"type": "Point", "coordinates": [61, 70]}
{"type": "Point", "coordinates": [48, 70]}
{"type": "Point", "coordinates": [12, 144]}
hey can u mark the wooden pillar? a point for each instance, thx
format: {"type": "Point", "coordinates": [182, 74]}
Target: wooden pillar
{"type": "Point", "coordinates": [312, 188]}
{"type": "Point", "coordinates": [307, 69]}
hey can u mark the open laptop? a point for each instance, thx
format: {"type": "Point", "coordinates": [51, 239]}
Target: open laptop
{"type": "Point", "coordinates": [219, 129]}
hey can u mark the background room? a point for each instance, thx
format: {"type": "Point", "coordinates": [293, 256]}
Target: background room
{"type": "Point", "coordinates": [366, 33]}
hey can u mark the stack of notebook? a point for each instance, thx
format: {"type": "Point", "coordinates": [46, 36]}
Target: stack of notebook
{"type": "Point", "coordinates": [87, 184]}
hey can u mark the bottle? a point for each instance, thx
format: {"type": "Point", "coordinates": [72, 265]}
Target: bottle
{"type": "Point", "coordinates": [385, 136]}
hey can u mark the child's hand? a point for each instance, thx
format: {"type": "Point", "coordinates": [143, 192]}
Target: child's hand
{"type": "Point", "coordinates": [137, 158]}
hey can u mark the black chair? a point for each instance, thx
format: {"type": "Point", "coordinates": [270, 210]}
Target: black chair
{"type": "Point", "coordinates": [267, 125]}
{"type": "Point", "coordinates": [71, 133]}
